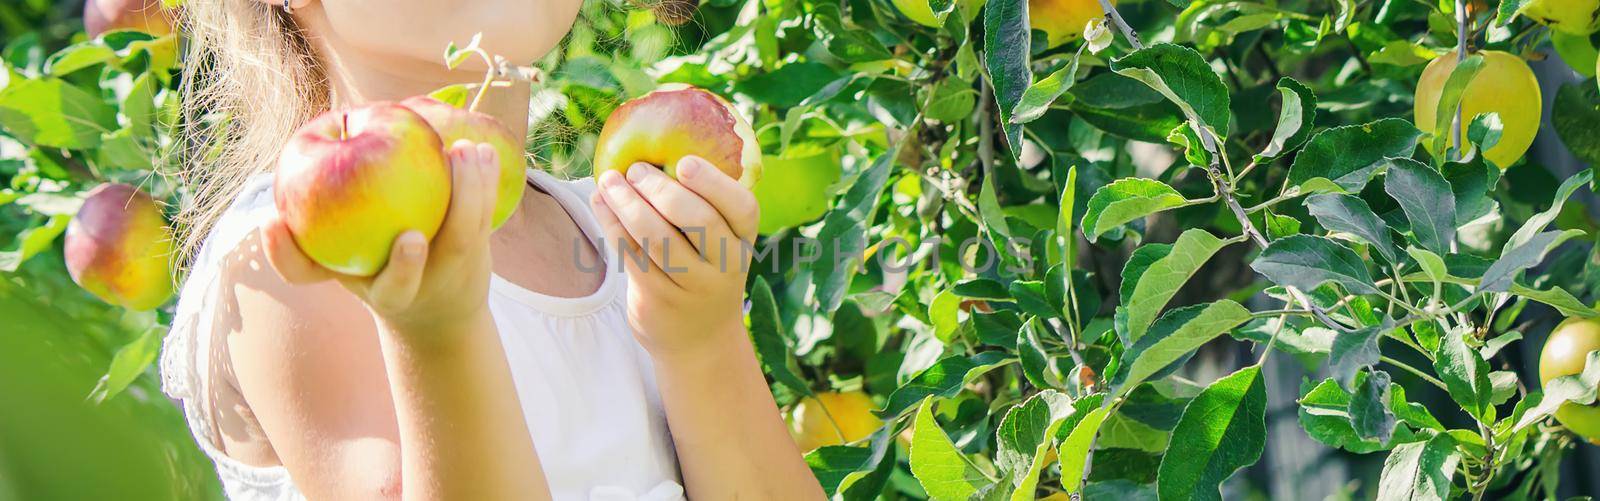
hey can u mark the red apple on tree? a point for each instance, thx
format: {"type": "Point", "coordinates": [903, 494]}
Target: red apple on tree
{"type": "Point", "coordinates": [352, 181]}
{"type": "Point", "coordinates": [675, 121]}
{"type": "Point", "coordinates": [454, 124]}
{"type": "Point", "coordinates": [119, 248]}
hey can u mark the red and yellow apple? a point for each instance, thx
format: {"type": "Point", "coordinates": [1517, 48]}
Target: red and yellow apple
{"type": "Point", "coordinates": [1063, 21]}
{"type": "Point", "coordinates": [119, 248]}
{"type": "Point", "coordinates": [454, 124]}
{"type": "Point", "coordinates": [100, 16]}
{"type": "Point", "coordinates": [1505, 86]}
{"type": "Point", "coordinates": [350, 182]}
{"type": "Point", "coordinates": [1565, 353]}
{"type": "Point", "coordinates": [675, 121]}
{"type": "Point", "coordinates": [811, 426]}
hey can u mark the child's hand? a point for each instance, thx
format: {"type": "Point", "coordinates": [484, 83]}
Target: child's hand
{"type": "Point", "coordinates": [425, 285]}
{"type": "Point", "coordinates": [686, 247]}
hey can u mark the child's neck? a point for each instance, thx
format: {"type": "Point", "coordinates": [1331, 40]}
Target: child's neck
{"type": "Point", "coordinates": [355, 78]}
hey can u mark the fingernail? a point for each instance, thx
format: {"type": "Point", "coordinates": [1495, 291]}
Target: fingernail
{"type": "Point", "coordinates": [611, 179]}
{"type": "Point", "coordinates": [412, 248]}
{"type": "Point", "coordinates": [637, 172]}
{"type": "Point", "coordinates": [688, 167]}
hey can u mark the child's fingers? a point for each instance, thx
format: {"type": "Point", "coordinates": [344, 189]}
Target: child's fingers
{"type": "Point", "coordinates": [660, 239]}
{"type": "Point", "coordinates": [627, 251]}
{"type": "Point", "coordinates": [489, 189]}
{"type": "Point", "coordinates": [396, 285]}
{"type": "Point", "coordinates": [463, 223]}
{"type": "Point", "coordinates": [287, 259]}
{"type": "Point", "coordinates": [735, 202]}
{"type": "Point", "coordinates": [699, 221]}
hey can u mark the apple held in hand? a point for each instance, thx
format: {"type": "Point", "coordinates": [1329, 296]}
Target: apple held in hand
{"type": "Point", "coordinates": [119, 248]}
{"type": "Point", "coordinates": [675, 121]}
{"type": "Point", "coordinates": [352, 181]}
{"type": "Point", "coordinates": [454, 124]}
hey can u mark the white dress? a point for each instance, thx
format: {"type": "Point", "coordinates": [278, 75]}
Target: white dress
{"type": "Point", "coordinates": [586, 386]}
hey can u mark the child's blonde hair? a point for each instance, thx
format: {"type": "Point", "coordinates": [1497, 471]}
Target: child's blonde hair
{"type": "Point", "coordinates": [250, 78]}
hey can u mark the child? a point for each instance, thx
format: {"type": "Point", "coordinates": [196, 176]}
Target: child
{"type": "Point", "coordinates": [483, 364]}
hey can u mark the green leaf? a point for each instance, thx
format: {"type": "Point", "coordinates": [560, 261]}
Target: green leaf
{"type": "Point", "coordinates": [1184, 77]}
{"type": "Point", "coordinates": [1576, 110]}
{"type": "Point", "coordinates": [1432, 265]}
{"type": "Point", "coordinates": [1351, 214]}
{"type": "Point", "coordinates": [32, 241]}
{"type": "Point", "coordinates": [79, 56]}
{"type": "Point", "coordinates": [1325, 416]}
{"type": "Point", "coordinates": [845, 228]}
{"type": "Point", "coordinates": [951, 100]}
{"type": "Point", "coordinates": [139, 105]}
{"type": "Point", "coordinates": [454, 95]}
{"type": "Point", "coordinates": [1039, 96]}
{"type": "Point", "coordinates": [1419, 471]}
{"type": "Point", "coordinates": [1465, 374]}
{"type": "Point", "coordinates": [942, 470]}
{"type": "Point", "coordinates": [1006, 42]}
{"type": "Point", "coordinates": [831, 464]}
{"type": "Point", "coordinates": [53, 113]}
{"type": "Point", "coordinates": [1349, 155]}
{"type": "Point", "coordinates": [1222, 430]}
{"type": "Point", "coordinates": [771, 343]}
{"type": "Point", "coordinates": [1353, 350]}
{"type": "Point", "coordinates": [1025, 434]}
{"type": "Point", "coordinates": [128, 364]}
{"type": "Point", "coordinates": [1426, 198]}
{"type": "Point", "coordinates": [1536, 224]}
{"type": "Point", "coordinates": [1306, 262]}
{"type": "Point", "coordinates": [1369, 408]}
{"type": "Point", "coordinates": [945, 311]}
{"type": "Point", "coordinates": [1125, 200]}
{"type": "Point", "coordinates": [788, 85]}
{"type": "Point", "coordinates": [1079, 435]}
{"type": "Point", "coordinates": [1579, 388]}
{"type": "Point", "coordinates": [1162, 279]}
{"type": "Point", "coordinates": [944, 379]}
{"type": "Point", "coordinates": [1174, 336]}
{"type": "Point", "coordinates": [1450, 100]}
{"type": "Point", "coordinates": [1503, 273]}
{"type": "Point", "coordinates": [1064, 233]}
{"type": "Point", "coordinates": [1299, 112]}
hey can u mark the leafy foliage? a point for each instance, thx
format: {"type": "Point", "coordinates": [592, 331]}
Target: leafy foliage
{"type": "Point", "coordinates": [1027, 244]}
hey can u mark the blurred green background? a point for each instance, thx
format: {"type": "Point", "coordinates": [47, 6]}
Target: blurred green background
{"type": "Point", "coordinates": [57, 440]}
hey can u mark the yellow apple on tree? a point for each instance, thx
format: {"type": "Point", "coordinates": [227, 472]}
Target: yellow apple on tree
{"type": "Point", "coordinates": [794, 191]}
{"type": "Point", "coordinates": [119, 248]}
{"type": "Point", "coordinates": [454, 124]}
{"type": "Point", "coordinates": [675, 121]}
{"type": "Point", "coordinates": [1063, 21]}
{"type": "Point", "coordinates": [1576, 17]}
{"type": "Point", "coordinates": [1504, 85]}
{"type": "Point", "coordinates": [100, 16]}
{"type": "Point", "coordinates": [851, 410]}
{"type": "Point", "coordinates": [1564, 353]}
{"type": "Point", "coordinates": [352, 181]}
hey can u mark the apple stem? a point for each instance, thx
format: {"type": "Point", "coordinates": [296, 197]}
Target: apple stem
{"type": "Point", "coordinates": [344, 126]}
{"type": "Point", "coordinates": [488, 78]}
